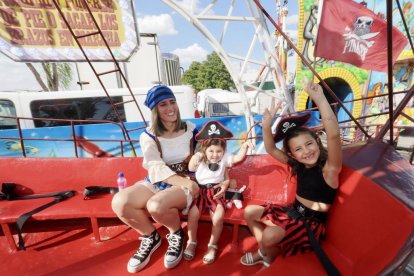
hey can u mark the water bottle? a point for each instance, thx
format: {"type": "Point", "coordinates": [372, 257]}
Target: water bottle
{"type": "Point", "coordinates": [121, 180]}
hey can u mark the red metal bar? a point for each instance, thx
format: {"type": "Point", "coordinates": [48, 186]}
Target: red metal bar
{"type": "Point", "coordinates": [108, 72]}
{"type": "Point", "coordinates": [74, 139]}
{"type": "Point", "coordinates": [398, 112]}
{"type": "Point", "coordinates": [86, 35]}
{"type": "Point", "coordinates": [21, 137]}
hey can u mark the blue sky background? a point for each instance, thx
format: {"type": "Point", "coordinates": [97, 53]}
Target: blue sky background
{"type": "Point", "coordinates": [175, 35]}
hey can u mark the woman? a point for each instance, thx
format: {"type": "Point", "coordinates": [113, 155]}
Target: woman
{"type": "Point", "coordinates": [167, 146]}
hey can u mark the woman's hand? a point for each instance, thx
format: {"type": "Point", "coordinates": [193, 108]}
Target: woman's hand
{"type": "Point", "coordinates": [222, 188]}
{"type": "Point", "coordinates": [193, 187]}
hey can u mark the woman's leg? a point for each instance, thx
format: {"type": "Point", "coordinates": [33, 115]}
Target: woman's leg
{"type": "Point", "coordinates": [165, 205]}
{"type": "Point", "coordinates": [130, 206]}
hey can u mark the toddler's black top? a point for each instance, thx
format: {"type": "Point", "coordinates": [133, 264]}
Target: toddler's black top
{"type": "Point", "coordinates": [312, 186]}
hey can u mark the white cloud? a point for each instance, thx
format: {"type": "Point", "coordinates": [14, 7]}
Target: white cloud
{"type": "Point", "coordinates": [192, 5]}
{"type": "Point", "coordinates": [162, 24]}
{"type": "Point", "coordinates": [192, 53]}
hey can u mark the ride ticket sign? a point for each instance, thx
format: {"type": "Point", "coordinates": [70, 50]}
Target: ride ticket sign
{"type": "Point", "coordinates": [35, 30]}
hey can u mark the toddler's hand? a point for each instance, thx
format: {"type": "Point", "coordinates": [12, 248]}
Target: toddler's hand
{"type": "Point", "coordinates": [223, 186]}
{"type": "Point", "coordinates": [248, 144]}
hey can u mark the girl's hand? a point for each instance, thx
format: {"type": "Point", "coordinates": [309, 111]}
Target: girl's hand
{"type": "Point", "coordinates": [248, 145]}
{"type": "Point", "coordinates": [314, 90]}
{"type": "Point", "coordinates": [223, 186]}
{"type": "Point", "coordinates": [198, 157]}
{"type": "Point", "coordinates": [269, 114]}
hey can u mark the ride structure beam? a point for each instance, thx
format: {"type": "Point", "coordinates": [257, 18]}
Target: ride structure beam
{"type": "Point", "coordinates": [261, 37]}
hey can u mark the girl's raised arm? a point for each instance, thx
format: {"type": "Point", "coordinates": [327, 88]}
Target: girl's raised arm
{"type": "Point", "coordinates": [268, 140]}
{"type": "Point", "coordinates": [242, 152]}
{"type": "Point", "coordinates": [330, 123]}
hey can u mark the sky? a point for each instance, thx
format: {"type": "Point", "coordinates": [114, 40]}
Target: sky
{"type": "Point", "coordinates": [175, 36]}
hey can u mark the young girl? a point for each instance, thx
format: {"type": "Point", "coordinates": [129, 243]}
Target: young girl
{"type": "Point", "coordinates": [210, 166]}
{"type": "Point", "coordinates": [274, 227]}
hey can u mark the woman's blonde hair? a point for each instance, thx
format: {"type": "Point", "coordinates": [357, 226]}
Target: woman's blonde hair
{"type": "Point", "coordinates": [158, 128]}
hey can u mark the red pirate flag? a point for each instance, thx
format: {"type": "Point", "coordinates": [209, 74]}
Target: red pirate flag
{"type": "Point", "coordinates": [349, 32]}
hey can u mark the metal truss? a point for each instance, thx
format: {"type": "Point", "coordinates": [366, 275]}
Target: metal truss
{"type": "Point", "coordinates": [205, 17]}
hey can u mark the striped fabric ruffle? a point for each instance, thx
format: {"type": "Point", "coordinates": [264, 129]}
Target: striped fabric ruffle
{"type": "Point", "coordinates": [205, 200]}
{"type": "Point", "coordinates": [296, 240]}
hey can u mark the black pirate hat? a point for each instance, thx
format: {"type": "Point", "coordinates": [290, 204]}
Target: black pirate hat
{"type": "Point", "coordinates": [213, 130]}
{"type": "Point", "coordinates": [290, 123]}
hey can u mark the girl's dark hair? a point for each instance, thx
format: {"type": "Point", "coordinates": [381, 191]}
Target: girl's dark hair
{"type": "Point", "coordinates": [296, 166]}
{"type": "Point", "coordinates": [158, 127]}
{"type": "Point", "coordinates": [211, 142]}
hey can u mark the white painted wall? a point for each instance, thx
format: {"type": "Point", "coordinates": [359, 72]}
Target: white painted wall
{"type": "Point", "coordinates": [144, 68]}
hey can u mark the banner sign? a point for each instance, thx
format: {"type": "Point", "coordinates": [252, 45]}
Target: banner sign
{"type": "Point", "coordinates": [33, 30]}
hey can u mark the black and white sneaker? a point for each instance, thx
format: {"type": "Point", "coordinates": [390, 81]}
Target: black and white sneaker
{"type": "Point", "coordinates": [141, 258]}
{"type": "Point", "coordinates": [175, 249]}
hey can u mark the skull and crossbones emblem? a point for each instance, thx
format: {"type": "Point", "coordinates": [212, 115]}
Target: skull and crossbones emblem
{"type": "Point", "coordinates": [287, 126]}
{"type": "Point", "coordinates": [361, 30]}
{"type": "Point", "coordinates": [213, 130]}
{"type": "Point", "coordinates": [362, 25]}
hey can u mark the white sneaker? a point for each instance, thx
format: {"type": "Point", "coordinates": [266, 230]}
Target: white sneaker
{"type": "Point", "coordinates": [175, 249]}
{"type": "Point", "coordinates": [142, 257]}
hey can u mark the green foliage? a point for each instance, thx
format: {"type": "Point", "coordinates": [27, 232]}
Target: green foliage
{"type": "Point", "coordinates": [209, 74]}
{"type": "Point", "coordinates": [52, 76]}
{"type": "Point", "coordinates": [307, 4]}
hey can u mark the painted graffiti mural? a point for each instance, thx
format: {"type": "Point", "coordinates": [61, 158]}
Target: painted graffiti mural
{"type": "Point", "coordinates": [349, 82]}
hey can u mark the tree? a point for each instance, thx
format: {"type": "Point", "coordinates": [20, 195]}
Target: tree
{"type": "Point", "coordinates": [209, 74]}
{"type": "Point", "coordinates": [56, 75]}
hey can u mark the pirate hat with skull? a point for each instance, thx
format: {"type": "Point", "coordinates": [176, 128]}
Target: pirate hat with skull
{"type": "Point", "coordinates": [213, 130]}
{"type": "Point", "coordinates": [288, 124]}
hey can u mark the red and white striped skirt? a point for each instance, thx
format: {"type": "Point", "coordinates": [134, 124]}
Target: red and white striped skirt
{"type": "Point", "coordinates": [296, 240]}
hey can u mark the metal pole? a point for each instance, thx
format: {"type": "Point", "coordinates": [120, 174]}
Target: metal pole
{"type": "Point", "coordinates": [389, 60]}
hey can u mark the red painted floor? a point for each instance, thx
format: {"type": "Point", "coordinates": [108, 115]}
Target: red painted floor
{"type": "Point", "coordinates": [74, 252]}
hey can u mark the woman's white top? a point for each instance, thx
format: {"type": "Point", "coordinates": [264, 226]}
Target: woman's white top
{"type": "Point", "coordinates": [174, 150]}
{"type": "Point", "coordinates": [205, 176]}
